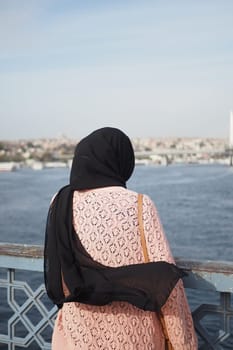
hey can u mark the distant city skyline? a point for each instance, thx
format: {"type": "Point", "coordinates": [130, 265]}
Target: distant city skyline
{"type": "Point", "coordinates": [151, 68]}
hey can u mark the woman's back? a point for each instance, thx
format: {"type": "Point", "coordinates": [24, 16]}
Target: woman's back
{"type": "Point", "coordinates": [106, 222]}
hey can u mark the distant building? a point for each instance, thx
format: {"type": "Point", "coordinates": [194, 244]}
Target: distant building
{"type": "Point", "coordinates": [231, 130]}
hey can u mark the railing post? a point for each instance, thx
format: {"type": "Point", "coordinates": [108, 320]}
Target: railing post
{"type": "Point", "coordinates": [224, 312]}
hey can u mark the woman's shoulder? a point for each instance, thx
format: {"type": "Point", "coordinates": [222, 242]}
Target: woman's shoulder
{"type": "Point", "coordinates": [147, 201]}
{"type": "Point", "coordinates": [113, 194]}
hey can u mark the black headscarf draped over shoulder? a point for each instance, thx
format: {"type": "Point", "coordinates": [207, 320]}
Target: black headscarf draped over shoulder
{"type": "Point", "coordinates": [104, 158]}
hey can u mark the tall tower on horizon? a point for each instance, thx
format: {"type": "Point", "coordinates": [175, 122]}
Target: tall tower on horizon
{"type": "Point", "coordinates": [231, 130]}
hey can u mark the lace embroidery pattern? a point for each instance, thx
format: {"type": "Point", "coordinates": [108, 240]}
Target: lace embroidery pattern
{"type": "Point", "coordinates": [106, 222]}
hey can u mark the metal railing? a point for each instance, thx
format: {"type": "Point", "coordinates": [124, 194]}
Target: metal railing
{"type": "Point", "coordinates": [27, 316]}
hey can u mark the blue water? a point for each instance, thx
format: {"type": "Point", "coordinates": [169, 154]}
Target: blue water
{"type": "Point", "coordinates": [195, 204]}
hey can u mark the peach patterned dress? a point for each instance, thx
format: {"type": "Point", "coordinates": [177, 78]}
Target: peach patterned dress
{"type": "Point", "coordinates": [106, 221]}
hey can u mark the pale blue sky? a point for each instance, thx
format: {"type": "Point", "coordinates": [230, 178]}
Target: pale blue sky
{"type": "Point", "coordinates": [151, 68]}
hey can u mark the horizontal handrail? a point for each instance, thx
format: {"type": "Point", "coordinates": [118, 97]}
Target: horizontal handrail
{"type": "Point", "coordinates": [202, 274]}
{"type": "Point", "coordinates": [21, 250]}
{"type": "Point", "coordinates": [36, 252]}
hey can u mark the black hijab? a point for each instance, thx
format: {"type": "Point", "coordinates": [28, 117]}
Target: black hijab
{"type": "Point", "coordinates": [104, 158]}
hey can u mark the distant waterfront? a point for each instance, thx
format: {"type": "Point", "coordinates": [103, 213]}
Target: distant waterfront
{"type": "Point", "coordinates": [54, 153]}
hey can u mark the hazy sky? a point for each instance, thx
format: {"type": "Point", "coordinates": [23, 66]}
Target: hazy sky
{"type": "Point", "coordinates": [152, 68]}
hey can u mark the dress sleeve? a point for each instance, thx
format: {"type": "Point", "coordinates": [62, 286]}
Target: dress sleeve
{"type": "Point", "coordinates": [176, 311]}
